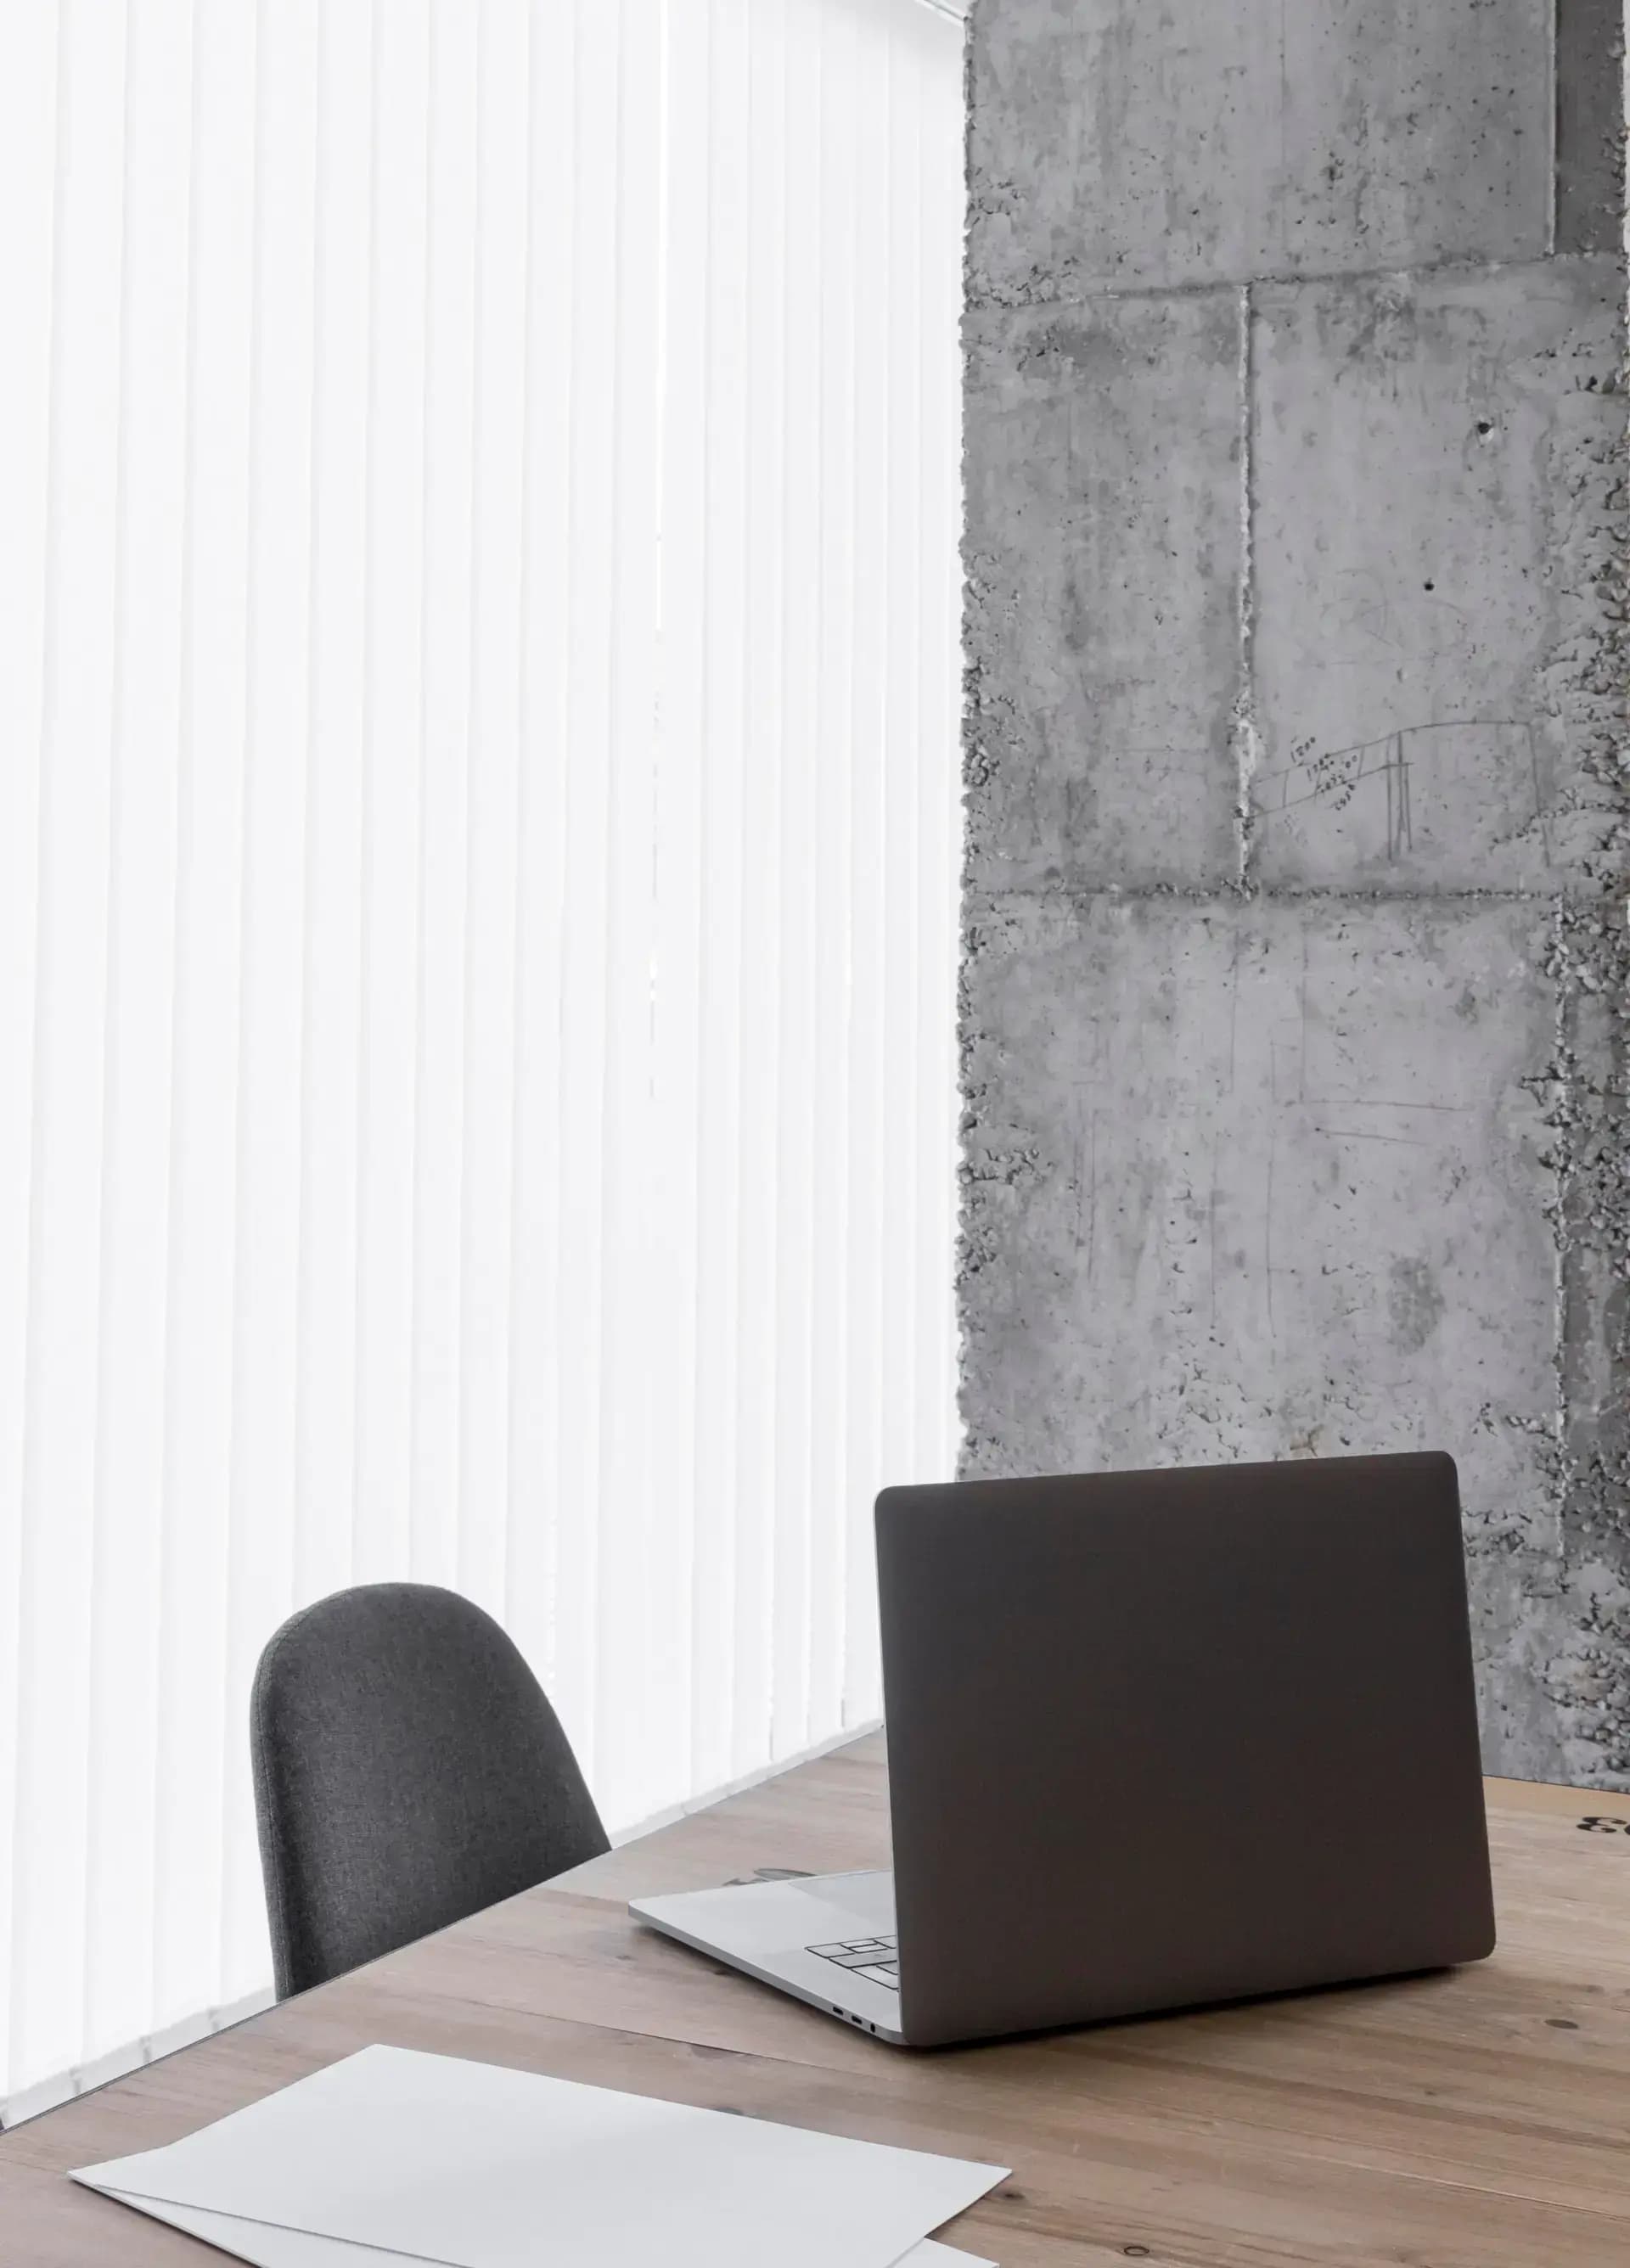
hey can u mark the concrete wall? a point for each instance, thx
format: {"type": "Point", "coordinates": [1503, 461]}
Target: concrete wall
{"type": "Point", "coordinates": [1296, 943]}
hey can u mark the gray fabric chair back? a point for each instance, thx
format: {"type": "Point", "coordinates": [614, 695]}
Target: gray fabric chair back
{"type": "Point", "coordinates": [407, 1772]}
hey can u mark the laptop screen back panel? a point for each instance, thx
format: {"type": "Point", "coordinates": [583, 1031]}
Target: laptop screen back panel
{"type": "Point", "coordinates": [1166, 1738]}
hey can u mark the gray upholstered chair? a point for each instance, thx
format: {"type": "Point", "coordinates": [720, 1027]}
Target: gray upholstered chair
{"type": "Point", "coordinates": [407, 1772]}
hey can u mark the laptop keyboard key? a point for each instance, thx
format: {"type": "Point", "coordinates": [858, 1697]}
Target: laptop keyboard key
{"type": "Point", "coordinates": [874, 1957]}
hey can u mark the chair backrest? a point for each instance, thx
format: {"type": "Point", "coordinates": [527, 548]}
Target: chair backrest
{"type": "Point", "coordinates": [407, 1772]}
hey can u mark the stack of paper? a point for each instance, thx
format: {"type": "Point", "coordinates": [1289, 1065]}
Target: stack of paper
{"type": "Point", "coordinates": [393, 2153]}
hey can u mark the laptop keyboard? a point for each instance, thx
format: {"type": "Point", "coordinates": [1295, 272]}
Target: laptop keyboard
{"type": "Point", "coordinates": [876, 1957]}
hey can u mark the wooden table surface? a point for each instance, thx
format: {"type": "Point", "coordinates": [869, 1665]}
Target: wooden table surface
{"type": "Point", "coordinates": [1475, 2119]}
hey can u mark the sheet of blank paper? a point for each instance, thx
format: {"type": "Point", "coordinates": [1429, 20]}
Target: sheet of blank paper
{"type": "Point", "coordinates": [291, 2248]}
{"type": "Point", "coordinates": [474, 2166]}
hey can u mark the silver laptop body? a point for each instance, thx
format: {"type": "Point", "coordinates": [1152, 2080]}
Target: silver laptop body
{"type": "Point", "coordinates": [1154, 1739]}
{"type": "Point", "coordinates": [821, 1939]}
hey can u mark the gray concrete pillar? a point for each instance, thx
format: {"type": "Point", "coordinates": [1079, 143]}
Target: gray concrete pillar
{"type": "Point", "coordinates": [1297, 925]}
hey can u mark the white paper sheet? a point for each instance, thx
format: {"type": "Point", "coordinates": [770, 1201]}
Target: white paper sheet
{"type": "Point", "coordinates": [474, 2165]}
{"type": "Point", "coordinates": [291, 2248]}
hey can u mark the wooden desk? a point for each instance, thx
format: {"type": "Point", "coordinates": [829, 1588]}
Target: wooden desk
{"type": "Point", "coordinates": [1474, 2120]}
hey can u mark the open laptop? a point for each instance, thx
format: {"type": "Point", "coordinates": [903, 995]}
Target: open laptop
{"type": "Point", "coordinates": [1154, 1738]}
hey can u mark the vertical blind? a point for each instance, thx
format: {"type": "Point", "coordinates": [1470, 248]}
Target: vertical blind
{"type": "Point", "coordinates": [478, 834]}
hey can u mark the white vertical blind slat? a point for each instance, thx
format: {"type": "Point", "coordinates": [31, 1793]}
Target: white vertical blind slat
{"type": "Point", "coordinates": [878, 1296]}
{"type": "Point", "coordinates": [723, 579]}
{"type": "Point", "coordinates": [768, 1241]}
{"type": "Point", "coordinates": [68, 1068]}
{"type": "Point", "coordinates": [588, 599]}
{"type": "Point", "coordinates": [447, 633]}
{"type": "Point", "coordinates": [332, 759]}
{"type": "Point", "coordinates": [141, 890]}
{"type": "Point", "coordinates": [939, 831]}
{"type": "Point", "coordinates": [537, 1507]}
{"type": "Point", "coordinates": [396, 667]}
{"type": "Point", "coordinates": [192, 1741]}
{"type": "Point", "coordinates": [29, 110]}
{"type": "Point", "coordinates": [271, 1036]}
{"type": "Point", "coordinates": [477, 873]}
{"type": "Point", "coordinates": [809, 1405]}
{"type": "Point", "coordinates": [494, 759]}
{"type": "Point", "coordinates": [698, 1517]}
{"type": "Point", "coordinates": [640, 1735]}
{"type": "Point", "coordinates": [843, 1337]}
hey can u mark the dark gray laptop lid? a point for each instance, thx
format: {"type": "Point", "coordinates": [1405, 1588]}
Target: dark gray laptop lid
{"type": "Point", "coordinates": [1163, 1738]}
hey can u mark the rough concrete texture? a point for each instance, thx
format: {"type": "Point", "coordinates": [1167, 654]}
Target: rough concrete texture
{"type": "Point", "coordinates": [1211, 141]}
{"type": "Point", "coordinates": [1103, 555]}
{"type": "Point", "coordinates": [1422, 720]}
{"type": "Point", "coordinates": [1590, 125]}
{"type": "Point", "coordinates": [1297, 928]}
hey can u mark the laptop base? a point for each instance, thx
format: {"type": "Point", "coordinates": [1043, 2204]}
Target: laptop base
{"type": "Point", "coordinates": [771, 1931]}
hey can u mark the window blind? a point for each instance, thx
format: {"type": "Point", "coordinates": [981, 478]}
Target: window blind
{"type": "Point", "coordinates": [478, 845]}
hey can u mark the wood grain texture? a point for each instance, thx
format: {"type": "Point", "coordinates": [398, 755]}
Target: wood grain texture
{"type": "Point", "coordinates": [1477, 2119]}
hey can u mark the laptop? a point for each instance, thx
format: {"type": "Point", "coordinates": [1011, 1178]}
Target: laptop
{"type": "Point", "coordinates": [1156, 1739]}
